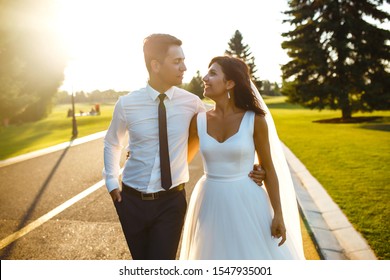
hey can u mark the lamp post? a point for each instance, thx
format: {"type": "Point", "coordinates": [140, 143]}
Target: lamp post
{"type": "Point", "coordinates": [74, 123]}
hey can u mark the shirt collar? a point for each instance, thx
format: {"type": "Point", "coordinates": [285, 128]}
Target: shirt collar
{"type": "Point", "coordinates": [154, 93]}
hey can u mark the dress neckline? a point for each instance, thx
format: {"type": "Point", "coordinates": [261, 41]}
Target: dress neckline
{"type": "Point", "coordinates": [231, 136]}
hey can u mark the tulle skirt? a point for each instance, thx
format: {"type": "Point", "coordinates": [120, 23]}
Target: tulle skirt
{"type": "Point", "coordinates": [231, 220]}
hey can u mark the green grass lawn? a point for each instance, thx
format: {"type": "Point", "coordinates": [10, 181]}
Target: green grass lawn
{"type": "Point", "coordinates": [351, 161]}
{"type": "Point", "coordinates": [57, 128]}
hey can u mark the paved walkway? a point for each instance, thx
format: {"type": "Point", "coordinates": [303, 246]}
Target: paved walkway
{"type": "Point", "coordinates": [332, 233]}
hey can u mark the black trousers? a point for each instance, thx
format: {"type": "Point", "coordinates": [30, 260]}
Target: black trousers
{"type": "Point", "coordinates": [152, 228]}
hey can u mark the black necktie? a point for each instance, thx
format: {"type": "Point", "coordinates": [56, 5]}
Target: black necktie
{"type": "Point", "coordinates": [165, 166]}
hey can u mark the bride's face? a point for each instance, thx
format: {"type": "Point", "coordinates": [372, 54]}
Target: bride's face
{"type": "Point", "coordinates": [215, 84]}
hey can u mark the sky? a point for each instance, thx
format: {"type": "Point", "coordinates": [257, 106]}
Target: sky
{"type": "Point", "coordinates": [104, 38]}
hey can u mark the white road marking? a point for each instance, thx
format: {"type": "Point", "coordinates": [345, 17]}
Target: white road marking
{"type": "Point", "coordinates": [43, 219]}
{"type": "Point", "coordinates": [52, 149]}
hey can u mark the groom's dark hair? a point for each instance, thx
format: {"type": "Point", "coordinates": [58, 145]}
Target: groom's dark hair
{"type": "Point", "coordinates": [156, 47]}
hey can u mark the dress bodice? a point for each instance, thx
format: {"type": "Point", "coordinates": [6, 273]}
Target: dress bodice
{"type": "Point", "coordinates": [231, 159]}
{"type": "Point", "coordinates": [229, 216]}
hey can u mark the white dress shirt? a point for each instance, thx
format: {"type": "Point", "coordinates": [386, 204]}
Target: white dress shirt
{"type": "Point", "coordinates": [137, 114]}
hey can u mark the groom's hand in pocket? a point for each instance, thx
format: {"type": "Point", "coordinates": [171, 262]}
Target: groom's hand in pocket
{"type": "Point", "coordinates": [257, 174]}
{"type": "Point", "coordinates": [116, 195]}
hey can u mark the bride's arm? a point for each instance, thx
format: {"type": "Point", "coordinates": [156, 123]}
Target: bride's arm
{"type": "Point", "coordinates": [271, 180]}
{"type": "Point", "coordinates": [193, 139]}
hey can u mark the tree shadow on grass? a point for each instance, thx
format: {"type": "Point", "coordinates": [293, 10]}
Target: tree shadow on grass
{"type": "Point", "coordinates": [284, 105]}
{"type": "Point", "coordinates": [382, 124]}
{"type": "Point", "coordinates": [351, 120]}
{"type": "Point", "coordinates": [381, 127]}
{"type": "Point", "coordinates": [373, 123]}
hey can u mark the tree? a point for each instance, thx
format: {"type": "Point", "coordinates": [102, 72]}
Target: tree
{"type": "Point", "coordinates": [240, 50]}
{"type": "Point", "coordinates": [276, 89]}
{"type": "Point", "coordinates": [339, 60]}
{"type": "Point", "coordinates": [266, 88]}
{"type": "Point", "coordinates": [12, 99]}
{"type": "Point", "coordinates": [196, 85]}
{"type": "Point", "coordinates": [270, 89]}
{"type": "Point", "coordinates": [32, 59]}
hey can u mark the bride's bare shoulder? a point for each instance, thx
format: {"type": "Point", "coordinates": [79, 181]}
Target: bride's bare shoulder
{"type": "Point", "coordinates": [260, 118]}
{"type": "Point", "coordinates": [260, 123]}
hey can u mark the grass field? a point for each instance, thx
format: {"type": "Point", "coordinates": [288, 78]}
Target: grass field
{"type": "Point", "coordinates": [57, 128]}
{"type": "Point", "coordinates": [350, 160]}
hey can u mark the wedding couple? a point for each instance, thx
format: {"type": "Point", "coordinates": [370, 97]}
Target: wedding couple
{"type": "Point", "coordinates": [230, 214]}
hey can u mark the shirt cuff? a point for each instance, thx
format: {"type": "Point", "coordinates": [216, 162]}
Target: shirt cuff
{"type": "Point", "coordinates": [112, 184]}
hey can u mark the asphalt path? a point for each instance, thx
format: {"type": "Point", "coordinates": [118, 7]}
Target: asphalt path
{"type": "Point", "coordinates": [86, 229]}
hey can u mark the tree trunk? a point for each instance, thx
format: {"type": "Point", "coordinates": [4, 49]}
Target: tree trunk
{"type": "Point", "coordinates": [346, 112]}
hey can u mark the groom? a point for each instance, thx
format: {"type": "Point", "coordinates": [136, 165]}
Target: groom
{"type": "Point", "coordinates": [151, 205]}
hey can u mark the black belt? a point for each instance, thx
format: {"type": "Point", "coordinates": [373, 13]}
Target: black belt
{"type": "Point", "coordinates": [151, 196]}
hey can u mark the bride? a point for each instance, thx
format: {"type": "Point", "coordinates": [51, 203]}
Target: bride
{"type": "Point", "coordinates": [229, 216]}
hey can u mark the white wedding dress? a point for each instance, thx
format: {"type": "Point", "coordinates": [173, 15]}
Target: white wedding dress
{"type": "Point", "coordinates": [229, 216]}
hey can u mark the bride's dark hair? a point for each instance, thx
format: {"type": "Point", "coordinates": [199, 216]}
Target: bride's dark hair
{"type": "Point", "coordinates": [237, 70]}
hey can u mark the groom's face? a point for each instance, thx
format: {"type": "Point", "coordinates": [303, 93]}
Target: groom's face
{"type": "Point", "coordinates": [171, 70]}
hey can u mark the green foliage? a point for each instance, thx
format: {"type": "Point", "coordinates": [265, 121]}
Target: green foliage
{"type": "Point", "coordinates": [32, 59]}
{"type": "Point", "coordinates": [195, 85]}
{"type": "Point", "coordinates": [240, 50]}
{"type": "Point", "coordinates": [339, 60]}
{"type": "Point", "coordinates": [270, 89]}
{"type": "Point", "coordinates": [96, 96]}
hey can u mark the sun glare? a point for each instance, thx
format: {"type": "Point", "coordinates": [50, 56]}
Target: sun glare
{"type": "Point", "coordinates": [99, 47]}
{"type": "Point", "coordinates": [104, 38]}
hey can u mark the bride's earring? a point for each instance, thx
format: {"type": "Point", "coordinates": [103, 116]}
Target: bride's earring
{"type": "Point", "coordinates": [229, 94]}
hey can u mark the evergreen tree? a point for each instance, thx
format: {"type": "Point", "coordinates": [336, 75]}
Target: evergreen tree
{"type": "Point", "coordinates": [196, 85]}
{"type": "Point", "coordinates": [339, 60]}
{"type": "Point", "coordinates": [267, 88]}
{"type": "Point", "coordinates": [240, 50]}
{"type": "Point", "coordinates": [276, 89]}
{"type": "Point", "coordinates": [270, 89]}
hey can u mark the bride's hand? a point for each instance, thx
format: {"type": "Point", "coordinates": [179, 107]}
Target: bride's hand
{"type": "Point", "coordinates": [278, 229]}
